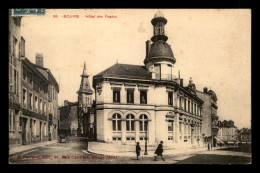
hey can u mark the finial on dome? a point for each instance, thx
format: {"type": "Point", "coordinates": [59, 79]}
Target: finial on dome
{"type": "Point", "coordinates": [84, 65]}
{"type": "Point", "coordinates": [190, 80]}
{"type": "Point", "coordinates": [158, 14]}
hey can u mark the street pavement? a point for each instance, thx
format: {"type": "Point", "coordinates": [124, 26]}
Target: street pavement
{"type": "Point", "coordinates": [75, 152]}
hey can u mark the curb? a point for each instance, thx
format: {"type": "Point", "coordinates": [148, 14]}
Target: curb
{"type": "Point", "coordinates": [31, 149]}
{"type": "Point", "coordinates": [119, 155]}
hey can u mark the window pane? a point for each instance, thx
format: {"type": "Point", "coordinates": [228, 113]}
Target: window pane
{"type": "Point", "coordinates": [145, 125]}
{"type": "Point", "coordinates": [127, 125]}
{"type": "Point", "coordinates": [114, 125]}
{"type": "Point", "coordinates": [170, 126]}
{"type": "Point", "coordinates": [119, 125]}
{"type": "Point", "coordinates": [132, 125]}
{"type": "Point", "coordinates": [141, 125]}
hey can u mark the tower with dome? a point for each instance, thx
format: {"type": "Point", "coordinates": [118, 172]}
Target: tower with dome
{"type": "Point", "coordinates": [147, 103]}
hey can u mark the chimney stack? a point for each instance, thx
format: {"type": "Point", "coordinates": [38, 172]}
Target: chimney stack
{"type": "Point", "coordinates": [181, 82]}
{"type": "Point", "coordinates": [66, 102]}
{"type": "Point", "coordinates": [205, 89]}
{"type": "Point", "coordinates": [148, 47]}
{"type": "Point", "coordinates": [39, 59]}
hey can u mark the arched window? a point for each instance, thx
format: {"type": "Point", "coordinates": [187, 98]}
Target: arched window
{"type": "Point", "coordinates": [116, 119]}
{"type": "Point", "coordinates": [130, 122]}
{"type": "Point", "coordinates": [143, 122]}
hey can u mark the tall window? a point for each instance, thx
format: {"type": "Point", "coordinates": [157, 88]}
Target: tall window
{"type": "Point", "coordinates": [180, 126]}
{"type": "Point", "coordinates": [15, 82]}
{"type": "Point", "coordinates": [170, 126]}
{"type": "Point", "coordinates": [192, 107]}
{"type": "Point", "coordinates": [169, 72]}
{"type": "Point", "coordinates": [36, 103]}
{"type": "Point", "coordinates": [170, 100]}
{"type": "Point", "coordinates": [185, 104]}
{"type": "Point", "coordinates": [180, 105]}
{"type": "Point", "coordinates": [143, 97]}
{"type": "Point", "coordinates": [24, 97]}
{"type": "Point", "coordinates": [195, 109]}
{"type": "Point", "coordinates": [116, 95]}
{"type": "Point", "coordinates": [130, 96]}
{"type": "Point", "coordinates": [157, 69]}
{"type": "Point", "coordinates": [24, 73]}
{"type": "Point", "coordinates": [30, 101]}
{"type": "Point", "coordinates": [15, 47]}
{"type": "Point", "coordinates": [188, 106]}
{"type": "Point", "coordinates": [116, 120]}
{"type": "Point", "coordinates": [143, 123]}
{"type": "Point", "coordinates": [30, 77]}
{"type": "Point", "coordinates": [130, 122]}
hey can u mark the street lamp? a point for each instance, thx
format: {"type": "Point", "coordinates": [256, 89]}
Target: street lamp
{"type": "Point", "coordinates": [145, 152]}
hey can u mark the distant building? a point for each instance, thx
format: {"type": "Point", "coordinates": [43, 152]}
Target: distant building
{"type": "Point", "coordinates": [244, 135]}
{"type": "Point", "coordinates": [69, 117]}
{"type": "Point", "coordinates": [228, 132]}
{"type": "Point", "coordinates": [210, 118]}
{"type": "Point", "coordinates": [86, 125]}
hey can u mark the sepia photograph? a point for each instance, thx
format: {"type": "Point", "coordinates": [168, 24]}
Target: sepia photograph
{"type": "Point", "coordinates": [129, 86]}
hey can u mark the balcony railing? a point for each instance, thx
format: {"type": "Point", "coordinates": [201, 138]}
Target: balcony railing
{"type": "Point", "coordinates": [165, 77]}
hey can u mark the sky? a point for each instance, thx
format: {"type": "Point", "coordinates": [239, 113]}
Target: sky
{"type": "Point", "coordinates": [212, 46]}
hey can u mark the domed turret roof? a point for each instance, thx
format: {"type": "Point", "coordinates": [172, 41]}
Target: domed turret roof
{"type": "Point", "coordinates": [160, 50]}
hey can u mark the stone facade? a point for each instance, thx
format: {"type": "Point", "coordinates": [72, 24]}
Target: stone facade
{"type": "Point", "coordinates": [33, 94]}
{"type": "Point", "coordinates": [135, 103]}
{"type": "Point", "coordinates": [210, 118]}
{"type": "Point", "coordinates": [14, 45]}
{"type": "Point", "coordinates": [228, 132]}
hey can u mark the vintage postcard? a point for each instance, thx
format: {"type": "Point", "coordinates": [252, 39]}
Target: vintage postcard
{"type": "Point", "coordinates": [129, 86]}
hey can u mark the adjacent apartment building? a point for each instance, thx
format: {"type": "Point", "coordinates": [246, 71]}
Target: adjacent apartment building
{"type": "Point", "coordinates": [228, 132]}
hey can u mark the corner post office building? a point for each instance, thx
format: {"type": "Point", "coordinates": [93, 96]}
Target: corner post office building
{"type": "Point", "coordinates": [137, 103]}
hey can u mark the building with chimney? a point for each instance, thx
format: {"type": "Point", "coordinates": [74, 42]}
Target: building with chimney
{"type": "Point", "coordinates": [53, 91]}
{"type": "Point", "coordinates": [148, 103]}
{"type": "Point", "coordinates": [228, 132]}
{"type": "Point", "coordinates": [68, 118]}
{"type": "Point", "coordinates": [210, 117]}
{"type": "Point", "coordinates": [39, 102]}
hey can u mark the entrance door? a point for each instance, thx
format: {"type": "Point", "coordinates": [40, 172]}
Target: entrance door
{"type": "Point", "coordinates": [24, 122]}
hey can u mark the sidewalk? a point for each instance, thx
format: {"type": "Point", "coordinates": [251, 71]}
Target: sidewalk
{"type": "Point", "coordinates": [129, 150]}
{"type": "Point", "coordinates": [19, 149]}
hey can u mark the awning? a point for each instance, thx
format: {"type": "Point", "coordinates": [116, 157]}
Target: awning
{"type": "Point", "coordinates": [218, 140]}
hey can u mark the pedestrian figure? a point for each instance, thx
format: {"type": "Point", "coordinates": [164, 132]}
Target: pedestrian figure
{"type": "Point", "coordinates": [138, 149]}
{"type": "Point", "coordinates": [159, 151]}
{"type": "Point", "coordinates": [208, 147]}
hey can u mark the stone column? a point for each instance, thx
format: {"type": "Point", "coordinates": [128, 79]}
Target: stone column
{"type": "Point", "coordinates": [182, 131]}
{"type": "Point", "coordinates": [123, 130]}
{"type": "Point", "coordinates": [150, 131]}
{"type": "Point", "coordinates": [137, 130]}
{"type": "Point", "coordinates": [176, 128]}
